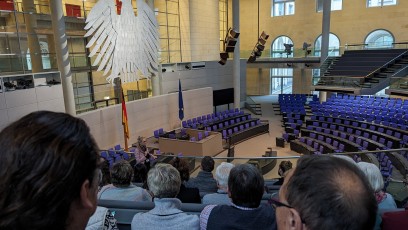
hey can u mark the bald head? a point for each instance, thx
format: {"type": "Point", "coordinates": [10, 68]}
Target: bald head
{"type": "Point", "coordinates": [330, 193]}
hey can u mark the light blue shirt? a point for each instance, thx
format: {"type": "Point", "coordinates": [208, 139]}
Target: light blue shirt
{"type": "Point", "coordinates": [221, 197]}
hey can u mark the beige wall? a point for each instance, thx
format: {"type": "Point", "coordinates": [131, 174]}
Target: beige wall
{"type": "Point", "coordinates": [204, 30]}
{"type": "Point", "coordinates": [146, 115]}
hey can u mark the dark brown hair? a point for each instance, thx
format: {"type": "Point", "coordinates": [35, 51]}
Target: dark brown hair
{"type": "Point", "coordinates": [45, 158]}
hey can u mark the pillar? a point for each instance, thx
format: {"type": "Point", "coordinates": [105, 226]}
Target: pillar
{"type": "Point", "coordinates": [325, 31]}
{"type": "Point", "coordinates": [236, 64]}
{"type": "Point", "coordinates": [61, 48]}
{"type": "Point", "coordinates": [155, 80]}
{"type": "Point", "coordinates": [30, 18]}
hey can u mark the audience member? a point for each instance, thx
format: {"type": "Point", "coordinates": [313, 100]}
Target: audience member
{"type": "Point", "coordinates": [106, 177]}
{"type": "Point", "coordinates": [49, 170]}
{"type": "Point", "coordinates": [140, 175]}
{"type": "Point", "coordinates": [221, 176]}
{"type": "Point", "coordinates": [121, 187]}
{"type": "Point", "coordinates": [164, 182]}
{"type": "Point", "coordinates": [385, 200]}
{"type": "Point", "coordinates": [284, 168]}
{"type": "Point", "coordinates": [324, 192]}
{"type": "Point", "coordinates": [102, 219]}
{"type": "Point", "coordinates": [186, 195]}
{"type": "Point", "coordinates": [204, 181]}
{"type": "Point", "coordinates": [245, 188]}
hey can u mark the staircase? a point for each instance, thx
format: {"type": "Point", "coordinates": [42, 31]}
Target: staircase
{"type": "Point", "coordinates": [363, 72]}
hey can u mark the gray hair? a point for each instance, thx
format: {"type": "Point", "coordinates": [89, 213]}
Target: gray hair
{"type": "Point", "coordinates": [222, 173]}
{"type": "Point", "coordinates": [164, 181]}
{"type": "Point", "coordinates": [373, 174]}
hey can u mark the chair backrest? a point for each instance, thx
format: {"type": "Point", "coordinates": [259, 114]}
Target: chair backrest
{"type": "Point", "coordinates": [200, 136]}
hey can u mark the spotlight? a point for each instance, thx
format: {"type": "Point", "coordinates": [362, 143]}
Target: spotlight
{"type": "Point", "coordinates": [233, 33]}
{"type": "Point", "coordinates": [163, 70]}
{"type": "Point", "coordinates": [305, 48]}
{"type": "Point", "coordinates": [224, 55]}
{"type": "Point", "coordinates": [223, 61]}
{"type": "Point", "coordinates": [187, 67]}
{"type": "Point", "coordinates": [307, 65]}
{"type": "Point", "coordinates": [230, 49]}
{"type": "Point", "coordinates": [260, 47]}
{"type": "Point", "coordinates": [251, 59]}
{"type": "Point", "coordinates": [288, 49]}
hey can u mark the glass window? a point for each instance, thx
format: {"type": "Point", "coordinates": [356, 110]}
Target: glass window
{"type": "Point", "coordinates": [281, 85]}
{"type": "Point", "coordinates": [335, 5]}
{"type": "Point", "coordinates": [376, 3]}
{"type": "Point", "coordinates": [278, 47]}
{"type": "Point", "coordinates": [283, 7]}
{"type": "Point", "coordinates": [379, 39]}
{"type": "Point", "coordinates": [334, 45]}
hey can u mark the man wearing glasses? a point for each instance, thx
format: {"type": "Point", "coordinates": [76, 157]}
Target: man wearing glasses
{"type": "Point", "coordinates": [324, 192]}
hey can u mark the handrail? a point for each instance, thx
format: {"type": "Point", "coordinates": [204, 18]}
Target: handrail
{"type": "Point", "coordinates": [399, 71]}
{"type": "Point", "coordinates": [389, 62]}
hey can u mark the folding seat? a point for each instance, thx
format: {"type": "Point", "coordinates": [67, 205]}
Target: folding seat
{"type": "Point", "coordinates": [252, 123]}
{"type": "Point", "coordinates": [355, 124]}
{"type": "Point", "coordinates": [365, 145]}
{"type": "Point", "coordinates": [320, 138]}
{"type": "Point", "coordinates": [333, 127]}
{"type": "Point", "coordinates": [372, 127]}
{"type": "Point", "coordinates": [286, 137]}
{"type": "Point", "coordinates": [209, 128]}
{"type": "Point", "coordinates": [241, 127]}
{"type": "Point", "coordinates": [220, 126]}
{"type": "Point", "coordinates": [328, 140]}
{"type": "Point", "coordinates": [229, 132]}
{"type": "Point", "coordinates": [397, 135]}
{"type": "Point", "coordinates": [329, 119]}
{"type": "Point", "coordinates": [327, 131]}
{"type": "Point", "coordinates": [335, 133]}
{"type": "Point", "coordinates": [349, 130]}
{"type": "Point", "coordinates": [366, 135]}
{"type": "Point", "coordinates": [194, 120]}
{"type": "Point", "coordinates": [335, 143]}
{"type": "Point", "coordinates": [340, 149]}
{"type": "Point", "coordinates": [374, 137]}
{"type": "Point", "coordinates": [296, 132]}
{"type": "Point", "coordinates": [226, 123]}
{"type": "Point", "coordinates": [364, 125]}
{"type": "Point", "coordinates": [232, 122]}
{"type": "Point", "coordinates": [358, 132]}
{"type": "Point", "coordinates": [172, 136]}
{"type": "Point", "coordinates": [389, 144]}
{"type": "Point", "coordinates": [346, 122]}
{"type": "Point", "coordinates": [199, 136]}
{"type": "Point", "coordinates": [341, 128]}
{"type": "Point", "coordinates": [343, 135]}
{"type": "Point", "coordinates": [388, 132]}
{"type": "Point", "coordinates": [246, 125]}
{"type": "Point", "coordinates": [302, 139]}
{"type": "Point", "coordinates": [224, 134]}
{"type": "Point", "coordinates": [184, 124]}
{"type": "Point", "coordinates": [194, 126]}
{"type": "Point", "coordinates": [238, 120]}
{"type": "Point", "coordinates": [325, 125]}
{"type": "Point", "coordinates": [192, 139]}
{"type": "Point", "coordinates": [316, 146]}
{"type": "Point", "coordinates": [318, 129]}
{"type": "Point", "coordinates": [235, 129]}
{"type": "Point", "coordinates": [258, 122]}
{"type": "Point", "coordinates": [359, 141]}
{"type": "Point", "coordinates": [351, 138]}
{"type": "Point", "coordinates": [161, 131]}
{"type": "Point", "coordinates": [315, 123]}
{"type": "Point", "coordinates": [104, 154]}
{"type": "Point", "coordinates": [313, 135]}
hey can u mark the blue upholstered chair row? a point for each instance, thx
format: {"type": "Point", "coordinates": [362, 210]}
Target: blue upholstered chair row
{"type": "Point", "coordinates": [226, 133]}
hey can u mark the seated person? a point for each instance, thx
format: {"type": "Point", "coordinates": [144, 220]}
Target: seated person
{"type": "Point", "coordinates": [325, 192]}
{"type": "Point", "coordinates": [186, 195]}
{"type": "Point", "coordinates": [121, 187]}
{"type": "Point", "coordinates": [164, 183]}
{"type": "Point", "coordinates": [102, 219]}
{"type": "Point", "coordinates": [385, 200]}
{"type": "Point", "coordinates": [205, 180]}
{"type": "Point", "coordinates": [245, 188]}
{"type": "Point", "coordinates": [49, 170]}
{"type": "Point", "coordinates": [221, 176]}
{"type": "Point", "coordinates": [140, 175]}
{"type": "Point", "coordinates": [284, 168]}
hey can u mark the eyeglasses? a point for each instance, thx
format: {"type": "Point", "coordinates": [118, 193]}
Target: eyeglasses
{"type": "Point", "coordinates": [275, 204]}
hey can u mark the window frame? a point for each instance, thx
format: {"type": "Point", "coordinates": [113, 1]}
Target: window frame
{"type": "Point", "coordinates": [331, 8]}
{"type": "Point", "coordinates": [285, 7]}
{"type": "Point", "coordinates": [380, 5]}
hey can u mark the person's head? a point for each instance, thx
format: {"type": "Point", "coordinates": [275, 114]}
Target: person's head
{"type": "Point", "coordinates": [106, 176]}
{"type": "Point", "coordinates": [207, 164]}
{"type": "Point", "coordinates": [49, 170]}
{"type": "Point", "coordinates": [284, 167]}
{"type": "Point", "coordinates": [245, 186]}
{"type": "Point", "coordinates": [182, 166]}
{"type": "Point", "coordinates": [325, 192]}
{"type": "Point", "coordinates": [222, 173]}
{"type": "Point", "coordinates": [164, 181]}
{"type": "Point", "coordinates": [140, 173]}
{"type": "Point", "coordinates": [141, 143]}
{"type": "Point", "coordinates": [373, 175]}
{"type": "Point", "coordinates": [346, 157]}
{"type": "Point", "coordinates": [122, 174]}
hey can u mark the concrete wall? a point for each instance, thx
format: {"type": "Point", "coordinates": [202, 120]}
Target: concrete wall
{"type": "Point", "coordinates": [145, 116]}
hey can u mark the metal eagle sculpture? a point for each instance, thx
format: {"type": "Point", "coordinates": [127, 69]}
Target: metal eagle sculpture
{"type": "Point", "coordinates": [125, 44]}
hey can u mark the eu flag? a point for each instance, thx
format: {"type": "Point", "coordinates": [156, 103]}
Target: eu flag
{"type": "Point", "coordinates": [181, 106]}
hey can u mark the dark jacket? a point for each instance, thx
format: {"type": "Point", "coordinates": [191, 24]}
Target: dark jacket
{"type": "Point", "coordinates": [189, 195]}
{"type": "Point", "coordinates": [204, 181]}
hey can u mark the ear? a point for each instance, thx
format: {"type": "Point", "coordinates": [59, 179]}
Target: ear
{"type": "Point", "coordinates": [294, 220]}
{"type": "Point", "coordinates": [87, 196]}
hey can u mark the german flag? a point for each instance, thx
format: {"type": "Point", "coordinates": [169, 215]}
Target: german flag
{"type": "Point", "coordinates": [124, 117]}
